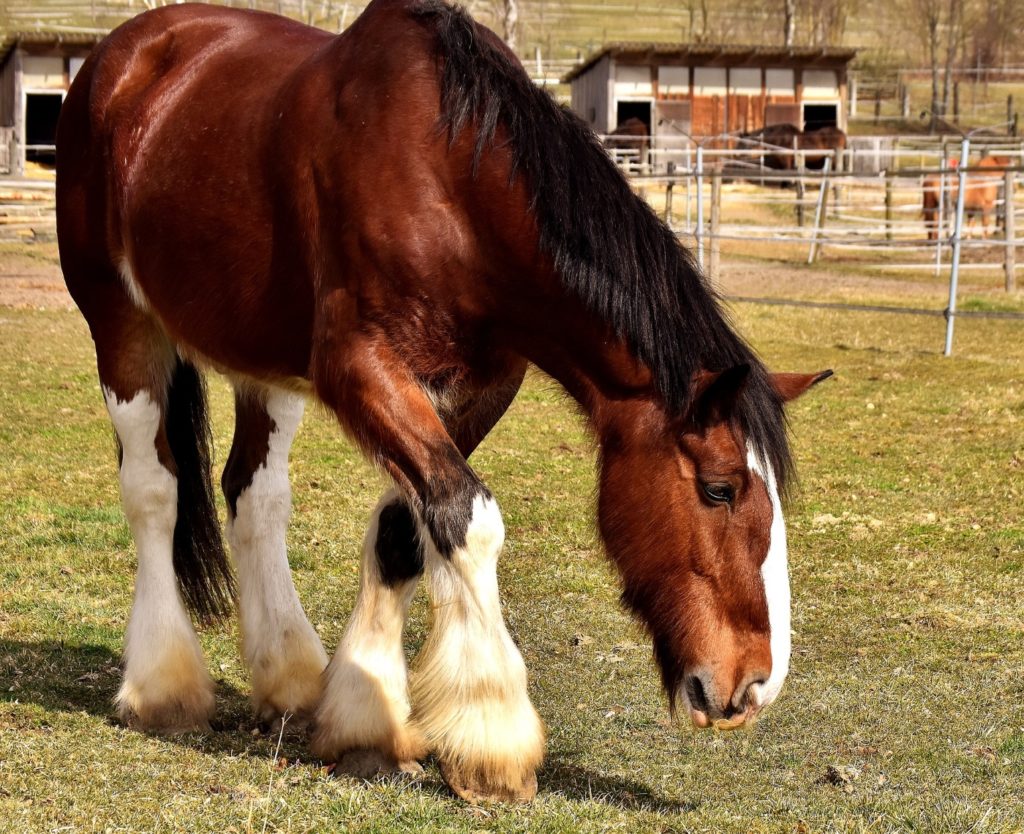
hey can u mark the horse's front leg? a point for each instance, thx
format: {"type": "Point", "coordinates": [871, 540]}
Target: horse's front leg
{"type": "Point", "coordinates": [363, 720]}
{"type": "Point", "coordinates": [469, 692]}
{"type": "Point", "coordinates": [470, 702]}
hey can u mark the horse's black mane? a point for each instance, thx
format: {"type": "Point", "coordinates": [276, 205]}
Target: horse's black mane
{"type": "Point", "coordinates": [610, 249]}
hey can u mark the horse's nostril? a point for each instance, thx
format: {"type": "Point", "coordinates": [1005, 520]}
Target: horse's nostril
{"type": "Point", "coordinates": [695, 692]}
{"type": "Point", "coordinates": [748, 693]}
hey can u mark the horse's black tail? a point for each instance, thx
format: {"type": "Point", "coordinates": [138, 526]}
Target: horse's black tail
{"type": "Point", "coordinates": [200, 561]}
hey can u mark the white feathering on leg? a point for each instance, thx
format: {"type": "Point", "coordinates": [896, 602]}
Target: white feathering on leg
{"type": "Point", "coordinates": [166, 685]}
{"type": "Point", "coordinates": [366, 701]}
{"type": "Point", "coordinates": [283, 652]}
{"type": "Point", "coordinates": [470, 689]}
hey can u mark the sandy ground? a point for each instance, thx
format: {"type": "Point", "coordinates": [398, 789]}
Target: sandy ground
{"type": "Point", "coordinates": [30, 276]}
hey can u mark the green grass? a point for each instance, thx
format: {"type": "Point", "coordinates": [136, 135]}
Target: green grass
{"type": "Point", "coordinates": [902, 712]}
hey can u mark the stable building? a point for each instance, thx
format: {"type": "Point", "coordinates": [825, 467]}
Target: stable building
{"type": "Point", "coordinates": [702, 90]}
{"type": "Point", "coordinates": [36, 69]}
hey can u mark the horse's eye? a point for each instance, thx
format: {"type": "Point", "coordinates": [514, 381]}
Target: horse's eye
{"type": "Point", "coordinates": [719, 493]}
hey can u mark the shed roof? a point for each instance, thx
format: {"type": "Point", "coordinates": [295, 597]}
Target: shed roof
{"type": "Point", "coordinates": [43, 37]}
{"type": "Point", "coordinates": [724, 54]}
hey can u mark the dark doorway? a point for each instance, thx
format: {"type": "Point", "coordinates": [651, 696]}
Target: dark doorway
{"type": "Point", "coordinates": [626, 110]}
{"type": "Point", "coordinates": [817, 116]}
{"type": "Point", "coordinates": [41, 112]}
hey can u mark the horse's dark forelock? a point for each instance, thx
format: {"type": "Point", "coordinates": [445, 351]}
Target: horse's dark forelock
{"type": "Point", "coordinates": [610, 249]}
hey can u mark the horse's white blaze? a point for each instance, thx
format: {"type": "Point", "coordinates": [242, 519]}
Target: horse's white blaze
{"type": "Point", "coordinates": [775, 575]}
{"type": "Point", "coordinates": [165, 680]}
{"type": "Point", "coordinates": [366, 697]}
{"type": "Point", "coordinates": [280, 647]}
{"type": "Point", "coordinates": [469, 692]}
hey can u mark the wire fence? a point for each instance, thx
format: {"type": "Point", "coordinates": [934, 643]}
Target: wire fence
{"type": "Point", "coordinates": [925, 212]}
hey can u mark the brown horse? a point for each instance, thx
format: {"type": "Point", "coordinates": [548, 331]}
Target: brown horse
{"type": "Point", "coordinates": [632, 135]}
{"type": "Point", "coordinates": [980, 195]}
{"type": "Point", "coordinates": [395, 221]}
{"type": "Point", "coordinates": [789, 136]}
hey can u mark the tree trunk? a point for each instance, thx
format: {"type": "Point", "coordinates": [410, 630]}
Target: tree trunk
{"type": "Point", "coordinates": [510, 23]}
{"type": "Point", "coordinates": [789, 28]}
{"type": "Point", "coordinates": [953, 21]}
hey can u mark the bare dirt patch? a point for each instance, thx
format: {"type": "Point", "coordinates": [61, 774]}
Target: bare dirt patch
{"type": "Point", "coordinates": [30, 277]}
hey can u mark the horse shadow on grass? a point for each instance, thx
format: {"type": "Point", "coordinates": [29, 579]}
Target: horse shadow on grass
{"type": "Point", "coordinates": [84, 678]}
{"type": "Point", "coordinates": [560, 775]}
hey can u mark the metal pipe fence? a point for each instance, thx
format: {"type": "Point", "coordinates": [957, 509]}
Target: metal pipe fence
{"type": "Point", "coordinates": [879, 219]}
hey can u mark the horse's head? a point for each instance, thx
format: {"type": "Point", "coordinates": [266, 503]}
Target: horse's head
{"type": "Point", "coordinates": [691, 514]}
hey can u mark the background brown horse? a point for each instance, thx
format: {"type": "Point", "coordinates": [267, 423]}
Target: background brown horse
{"type": "Point", "coordinates": [396, 221]}
{"type": "Point", "coordinates": [980, 195]}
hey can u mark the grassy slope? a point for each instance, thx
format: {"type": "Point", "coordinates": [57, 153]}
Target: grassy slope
{"type": "Point", "coordinates": [907, 544]}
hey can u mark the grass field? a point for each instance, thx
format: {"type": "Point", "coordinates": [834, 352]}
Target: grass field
{"type": "Point", "coordinates": [904, 710]}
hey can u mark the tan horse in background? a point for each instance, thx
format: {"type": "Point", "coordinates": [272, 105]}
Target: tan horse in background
{"type": "Point", "coordinates": [980, 196]}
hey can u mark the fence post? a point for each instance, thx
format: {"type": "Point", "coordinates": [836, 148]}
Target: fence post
{"type": "Point", "coordinates": [1010, 264]}
{"type": "Point", "coordinates": [888, 205]}
{"type": "Point", "coordinates": [798, 166]}
{"type": "Point", "coordinates": [958, 225]}
{"type": "Point", "coordinates": [941, 221]}
{"type": "Point", "coordinates": [956, 102]}
{"type": "Point", "coordinates": [716, 211]}
{"type": "Point", "coordinates": [1011, 117]}
{"type": "Point", "coordinates": [668, 192]}
{"type": "Point", "coordinates": [819, 211]}
{"type": "Point", "coordinates": [699, 230]}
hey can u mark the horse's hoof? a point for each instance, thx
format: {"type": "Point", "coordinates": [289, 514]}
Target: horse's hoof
{"type": "Point", "coordinates": [472, 788]}
{"type": "Point", "coordinates": [369, 763]}
{"type": "Point", "coordinates": [273, 722]}
{"type": "Point", "coordinates": [172, 721]}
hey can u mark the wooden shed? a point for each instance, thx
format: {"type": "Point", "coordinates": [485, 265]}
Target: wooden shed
{"type": "Point", "coordinates": [36, 69]}
{"type": "Point", "coordinates": [702, 90]}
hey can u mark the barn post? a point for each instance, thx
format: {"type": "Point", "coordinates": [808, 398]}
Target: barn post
{"type": "Point", "coordinates": [1010, 263]}
{"type": "Point", "coordinates": [716, 211]}
{"type": "Point", "coordinates": [18, 145]}
{"type": "Point", "coordinates": [958, 225]}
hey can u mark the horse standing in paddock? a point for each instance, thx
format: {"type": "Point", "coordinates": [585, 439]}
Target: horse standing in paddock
{"type": "Point", "coordinates": [396, 221]}
{"type": "Point", "coordinates": [980, 195]}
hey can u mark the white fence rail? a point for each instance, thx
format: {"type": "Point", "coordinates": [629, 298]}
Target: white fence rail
{"type": "Point", "coordinates": [712, 198]}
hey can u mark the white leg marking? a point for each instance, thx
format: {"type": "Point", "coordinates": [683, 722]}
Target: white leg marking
{"type": "Point", "coordinates": [775, 575]}
{"type": "Point", "coordinates": [366, 699]}
{"type": "Point", "coordinates": [469, 694]}
{"type": "Point", "coordinates": [280, 647]}
{"type": "Point", "coordinates": [166, 685]}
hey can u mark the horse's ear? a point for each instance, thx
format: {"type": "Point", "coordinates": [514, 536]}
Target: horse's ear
{"type": "Point", "coordinates": [715, 393]}
{"type": "Point", "coordinates": [791, 386]}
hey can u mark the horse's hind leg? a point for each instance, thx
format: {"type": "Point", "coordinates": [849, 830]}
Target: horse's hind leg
{"type": "Point", "coordinates": [283, 652]}
{"type": "Point", "coordinates": [157, 406]}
